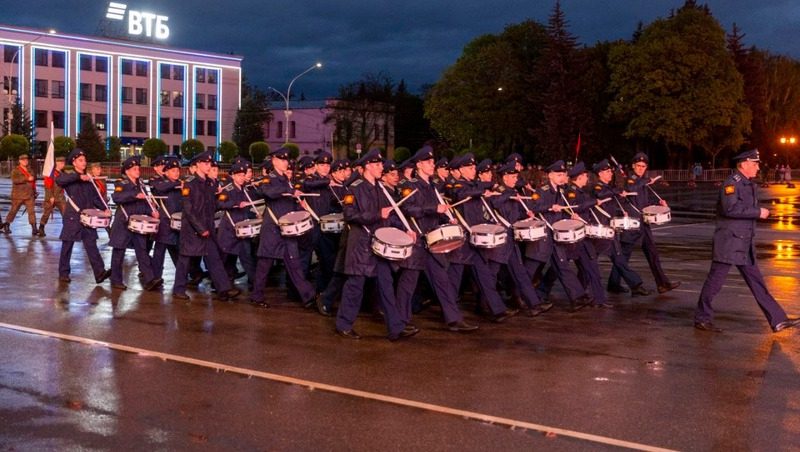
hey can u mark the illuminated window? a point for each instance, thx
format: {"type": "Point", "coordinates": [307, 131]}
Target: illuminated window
{"type": "Point", "coordinates": [200, 75]}
{"type": "Point", "coordinates": [211, 76]}
{"type": "Point", "coordinates": [177, 99]}
{"type": "Point", "coordinates": [10, 83]}
{"type": "Point", "coordinates": [164, 98]}
{"type": "Point", "coordinates": [100, 121]}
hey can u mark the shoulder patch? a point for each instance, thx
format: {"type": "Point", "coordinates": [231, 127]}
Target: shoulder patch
{"type": "Point", "coordinates": [730, 189]}
{"type": "Point", "coordinates": [118, 188]}
{"type": "Point", "coordinates": [406, 191]}
{"type": "Point", "coordinates": [189, 178]}
{"type": "Point", "coordinates": [598, 187]}
{"type": "Point", "coordinates": [545, 187]}
{"type": "Point", "coordinates": [535, 196]}
{"type": "Point", "coordinates": [228, 187]}
{"type": "Point", "coordinates": [571, 195]}
{"type": "Point", "coordinates": [630, 181]}
{"type": "Point", "coordinates": [349, 199]}
{"type": "Point", "coordinates": [449, 186]}
{"type": "Point", "coordinates": [457, 185]}
{"type": "Point", "coordinates": [298, 186]}
{"type": "Point", "coordinates": [273, 174]}
{"type": "Point", "coordinates": [222, 197]}
{"type": "Point", "coordinates": [737, 178]}
{"type": "Point", "coordinates": [356, 182]}
{"type": "Point", "coordinates": [413, 179]}
{"type": "Point", "coordinates": [185, 191]}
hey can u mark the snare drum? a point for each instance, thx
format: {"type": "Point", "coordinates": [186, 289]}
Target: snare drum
{"type": "Point", "coordinates": [529, 230]}
{"type": "Point", "coordinates": [569, 231]}
{"type": "Point", "coordinates": [624, 223]}
{"type": "Point", "coordinates": [95, 218]}
{"type": "Point", "coordinates": [656, 215]}
{"type": "Point", "coordinates": [392, 244]}
{"type": "Point", "coordinates": [599, 231]}
{"type": "Point", "coordinates": [445, 238]}
{"type": "Point", "coordinates": [247, 229]}
{"type": "Point", "coordinates": [332, 223]}
{"type": "Point", "coordinates": [295, 224]}
{"type": "Point", "coordinates": [175, 221]}
{"type": "Point", "coordinates": [488, 235]}
{"type": "Point", "coordinates": [142, 224]}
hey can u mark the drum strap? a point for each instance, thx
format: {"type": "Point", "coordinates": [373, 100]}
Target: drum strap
{"type": "Point", "coordinates": [595, 217]}
{"type": "Point", "coordinates": [489, 210]}
{"type": "Point", "coordinates": [124, 212]}
{"type": "Point", "coordinates": [228, 214]}
{"type": "Point", "coordinates": [164, 207]}
{"type": "Point", "coordinates": [414, 222]}
{"type": "Point", "coordinates": [272, 215]}
{"type": "Point", "coordinates": [71, 202]}
{"type": "Point", "coordinates": [501, 219]}
{"type": "Point", "coordinates": [462, 221]}
{"type": "Point", "coordinates": [600, 209]}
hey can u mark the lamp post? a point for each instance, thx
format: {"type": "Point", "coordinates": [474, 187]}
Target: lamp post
{"type": "Point", "coordinates": [787, 143]}
{"type": "Point", "coordinates": [11, 94]}
{"type": "Point", "coordinates": [286, 111]}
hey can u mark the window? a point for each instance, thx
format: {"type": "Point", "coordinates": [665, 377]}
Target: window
{"type": "Point", "coordinates": [100, 93]}
{"type": "Point", "coordinates": [141, 124]}
{"type": "Point", "coordinates": [40, 87]}
{"type": "Point", "coordinates": [177, 99]}
{"type": "Point", "coordinates": [11, 83]}
{"type": "Point", "coordinates": [141, 96]}
{"type": "Point", "coordinates": [100, 121]}
{"type": "Point", "coordinates": [177, 72]}
{"type": "Point", "coordinates": [164, 125]}
{"type": "Point", "coordinates": [279, 130]}
{"type": "Point", "coordinates": [177, 126]}
{"type": "Point", "coordinates": [57, 89]}
{"type": "Point", "coordinates": [86, 91]}
{"type": "Point", "coordinates": [85, 118]}
{"type": "Point", "coordinates": [199, 127]}
{"type": "Point", "coordinates": [86, 62]}
{"type": "Point", "coordinates": [127, 95]}
{"type": "Point", "coordinates": [165, 71]}
{"type": "Point", "coordinates": [212, 129]}
{"type": "Point", "coordinates": [127, 67]}
{"type": "Point", "coordinates": [40, 118]}
{"type": "Point", "coordinates": [57, 58]}
{"type": "Point", "coordinates": [40, 55]}
{"type": "Point", "coordinates": [165, 98]}
{"type": "Point", "coordinates": [211, 76]}
{"type": "Point", "coordinates": [141, 68]}
{"type": "Point", "coordinates": [212, 101]}
{"type": "Point", "coordinates": [10, 54]}
{"type": "Point", "coordinates": [292, 129]}
{"type": "Point", "coordinates": [200, 75]}
{"type": "Point", "coordinates": [200, 101]}
{"type": "Point", "coordinates": [101, 64]}
{"type": "Point", "coordinates": [58, 119]}
{"type": "Point", "coordinates": [126, 123]}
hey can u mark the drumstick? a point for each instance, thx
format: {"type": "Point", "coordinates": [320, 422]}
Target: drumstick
{"type": "Point", "coordinates": [301, 194]}
{"type": "Point", "coordinates": [407, 196]}
{"type": "Point", "coordinates": [102, 198]}
{"type": "Point", "coordinates": [545, 222]}
{"type": "Point", "coordinates": [653, 179]}
{"type": "Point", "coordinates": [460, 202]}
{"type": "Point", "coordinates": [524, 206]}
{"type": "Point", "coordinates": [99, 177]}
{"type": "Point", "coordinates": [395, 206]}
{"type": "Point", "coordinates": [441, 201]}
{"type": "Point", "coordinates": [252, 204]}
{"type": "Point", "coordinates": [654, 192]}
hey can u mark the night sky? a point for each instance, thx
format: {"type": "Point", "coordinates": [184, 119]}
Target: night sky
{"type": "Point", "coordinates": [407, 39]}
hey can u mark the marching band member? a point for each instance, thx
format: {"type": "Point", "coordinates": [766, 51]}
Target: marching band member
{"type": "Point", "coordinates": [166, 239]}
{"type": "Point", "coordinates": [326, 202]}
{"type": "Point", "coordinates": [82, 195]}
{"type": "Point", "coordinates": [237, 207]}
{"type": "Point", "coordinates": [340, 172]}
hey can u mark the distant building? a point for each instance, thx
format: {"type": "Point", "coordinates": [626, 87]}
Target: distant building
{"type": "Point", "coordinates": [312, 126]}
{"type": "Point", "coordinates": [128, 89]}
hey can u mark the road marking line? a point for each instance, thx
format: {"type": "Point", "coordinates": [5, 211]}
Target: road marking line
{"type": "Point", "coordinates": [513, 423]}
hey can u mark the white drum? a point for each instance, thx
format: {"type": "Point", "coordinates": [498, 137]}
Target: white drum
{"type": "Point", "coordinates": [445, 238]}
{"type": "Point", "coordinates": [247, 229]}
{"type": "Point", "coordinates": [332, 223]}
{"type": "Point", "coordinates": [569, 231]}
{"type": "Point", "coordinates": [175, 221]}
{"type": "Point", "coordinates": [656, 215]}
{"type": "Point", "coordinates": [142, 224]}
{"type": "Point", "coordinates": [295, 224]}
{"type": "Point", "coordinates": [529, 230]}
{"type": "Point", "coordinates": [95, 218]}
{"type": "Point", "coordinates": [599, 231]}
{"type": "Point", "coordinates": [392, 244]}
{"type": "Point", "coordinates": [624, 223]}
{"type": "Point", "coordinates": [488, 235]}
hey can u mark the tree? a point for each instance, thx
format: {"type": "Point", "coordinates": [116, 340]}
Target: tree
{"type": "Point", "coordinates": [411, 128]}
{"type": "Point", "coordinates": [361, 108]}
{"type": "Point", "coordinates": [63, 146]}
{"type": "Point", "coordinates": [13, 145]}
{"type": "Point", "coordinates": [153, 147]}
{"type": "Point", "coordinates": [228, 150]}
{"type": "Point", "coordinates": [294, 150]}
{"type": "Point", "coordinates": [677, 86]}
{"type": "Point", "coordinates": [20, 122]}
{"type": "Point", "coordinates": [259, 151]}
{"type": "Point", "coordinates": [114, 149]}
{"type": "Point", "coordinates": [91, 143]}
{"type": "Point", "coordinates": [752, 65]}
{"type": "Point", "coordinates": [401, 154]}
{"type": "Point", "coordinates": [191, 147]}
{"type": "Point", "coordinates": [254, 112]}
{"type": "Point", "coordinates": [783, 100]}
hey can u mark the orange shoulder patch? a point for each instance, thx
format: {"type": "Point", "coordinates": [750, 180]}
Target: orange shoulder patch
{"type": "Point", "coordinates": [730, 189]}
{"type": "Point", "coordinates": [185, 191]}
{"type": "Point", "coordinates": [535, 196]}
{"type": "Point", "coordinates": [222, 196]}
{"type": "Point", "coordinates": [571, 195]}
{"type": "Point", "coordinates": [298, 186]}
{"type": "Point", "coordinates": [598, 187]}
{"type": "Point", "coordinates": [406, 192]}
{"type": "Point", "coordinates": [117, 189]}
{"type": "Point", "coordinates": [630, 182]}
{"type": "Point", "coordinates": [349, 199]}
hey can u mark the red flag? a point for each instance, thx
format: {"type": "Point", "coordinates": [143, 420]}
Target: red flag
{"type": "Point", "coordinates": [578, 147]}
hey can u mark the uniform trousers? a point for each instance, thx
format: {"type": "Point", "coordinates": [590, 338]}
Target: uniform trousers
{"type": "Point", "coordinates": [444, 288]}
{"type": "Point", "coordinates": [650, 253]}
{"type": "Point", "coordinates": [95, 260]}
{"type": "Point", "coordinates": [160, 251]}
{"type": "Point", "coordinates": [48, 210]}
{"type": "Point", "coordinates": [214, 265]}
{"type": "Point", "coordinates": [293, 268]}
{"type": "Point", "coordinates": [30, 205]}
{"type": "Point", "coordinates": [352, 295]}
{"type": "Point", "coordinates": [145, 264]}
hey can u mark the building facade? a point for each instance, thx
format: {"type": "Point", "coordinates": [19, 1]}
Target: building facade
{"type": "Point", "coordinates": [128, 89]}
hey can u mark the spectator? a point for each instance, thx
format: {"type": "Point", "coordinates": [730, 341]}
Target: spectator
{"type": "Point", "coordinates": [787, 175]}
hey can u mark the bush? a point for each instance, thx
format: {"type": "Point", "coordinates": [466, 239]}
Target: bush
{"type": "Point", "coordinates": [13, 145]}
{"type": "Point", "coordinates": [294, 150]}
{"type": "Point", "coordinates": [259, 151]}
{"type": "Point", "coordinates": [228, 150]}
{"type": "Point", "coordinates": [191, 147]}
{"type": "Point", "coordinates": [153, 147]}
{"type": "Point", "coordinates": [63, 146]}
{"type": "Point", "coordinates": [401, 154]}
{"type": "Point", "coordinates": [114, 149]}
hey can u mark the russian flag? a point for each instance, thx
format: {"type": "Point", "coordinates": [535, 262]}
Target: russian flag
{"type": "Point", "coordinates": [49, 161]}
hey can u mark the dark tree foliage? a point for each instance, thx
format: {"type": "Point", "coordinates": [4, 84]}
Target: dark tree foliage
{"type": "Point", "coordinates": [249, 124]}
{"type": "Point", "coordinates": [20, 122]}
{"type": "Point", "coordinates": [89, 140]}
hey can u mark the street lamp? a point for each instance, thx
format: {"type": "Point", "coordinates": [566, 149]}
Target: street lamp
{"type": "Point", "coordinates": [286, 111]}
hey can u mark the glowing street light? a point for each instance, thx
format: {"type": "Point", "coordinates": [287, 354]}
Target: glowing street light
{"type": "Point", "coordinates": [286, 111]}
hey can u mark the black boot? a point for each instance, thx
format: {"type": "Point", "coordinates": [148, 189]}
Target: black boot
{"type": "Point", "coordinates": [41, 230]}
{"type": "Point", "coordinates": [5, 227]}
{"type": "Point", "coordinates": [34, 231]}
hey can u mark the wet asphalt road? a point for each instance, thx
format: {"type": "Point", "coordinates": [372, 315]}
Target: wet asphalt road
{"type": "Point", "coordinates": [636, 376]}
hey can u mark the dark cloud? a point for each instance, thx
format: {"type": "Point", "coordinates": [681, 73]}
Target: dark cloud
{"type": "Point", "coordinates": [413, 39]}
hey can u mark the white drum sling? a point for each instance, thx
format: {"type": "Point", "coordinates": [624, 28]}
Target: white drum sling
{"type": "Point", "coordinates": [392, 244]}
{"type": "Point", "coordinates": [488, 235]}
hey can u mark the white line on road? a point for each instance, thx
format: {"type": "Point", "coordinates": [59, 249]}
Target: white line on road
{"type": "Point", "coordinates": [513, 423]}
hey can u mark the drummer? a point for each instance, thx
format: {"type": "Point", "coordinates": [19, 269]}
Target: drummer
{"type": "Point", "coordinates": [166, 239]}
{"type": "Point", "coordinates": [366, 209]}
{"type": "Point", "coordinates": [324, 245]}
{"type": "Point", "coordinates": [282, 198]}
{"type": "Point", "coordinates": [340, 172]}
{"type": "Point", "coordinates": [130, 198]}
{"type": "Point", "coordinates": [610, 198]}
{"type": "Point", "coordinates": [639, 184]}
{"type": "Point", "coordinates": [81, 194]}
{"type": "Point", "coordinates": [237, 207]}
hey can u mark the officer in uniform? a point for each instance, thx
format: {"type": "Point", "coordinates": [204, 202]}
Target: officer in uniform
{"type": "Point", "coordinates": [340, 172]}
{"type": "Point", "coordinates": [197, 231]}
{"type": "Point", "coordinates": [639, 183]}
{"type": "Point", "coordinates": [324, 245]}
{"type": "Point", "coordinates": [366, 208]}
{"type": "Point", "coordinates": [130, 198]}
{"type": "Point", "coordinates": [272, 245]}
{"type": "Point", "coordinates": [23, 192]}
{"type": "Point", "coordinates": [737, 213]}
{"type": "Point", "coordinates": [608, 195]}
{"type": "Point", "coordinates": [168, 185]}
{"type": "Point", "coordinates": [237, 207]}
{"type": "Point", "coordinates": [53, 196]}
{"type": "Point", "coordinates": [82, 193]}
